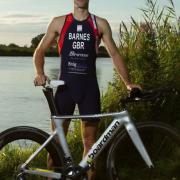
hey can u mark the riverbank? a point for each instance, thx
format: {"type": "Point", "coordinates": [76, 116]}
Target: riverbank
{"type": "Point", "coordinates": [15, 50]}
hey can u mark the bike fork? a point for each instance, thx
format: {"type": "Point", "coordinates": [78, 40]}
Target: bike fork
{"type": "Point", "coordinates": [134, 135]}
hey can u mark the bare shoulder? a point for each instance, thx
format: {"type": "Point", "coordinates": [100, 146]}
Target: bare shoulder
{"type": "Point", "coordinates": [57, 23]}
{"type": "Point", "coordinates": [59, 19]}
{"type": "Point", "coordinates": [102, 24]}
{"type": "Point", "coordinates": [101, 20]}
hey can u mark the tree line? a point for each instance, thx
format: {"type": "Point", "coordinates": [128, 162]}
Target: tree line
{"type": "Point", "coordinates": [16, 50]}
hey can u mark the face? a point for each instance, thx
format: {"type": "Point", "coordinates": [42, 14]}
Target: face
{"type": "Point", "coordinates": [81, 3]}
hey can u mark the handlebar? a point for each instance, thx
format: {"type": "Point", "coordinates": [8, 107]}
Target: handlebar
{"type": "Point", "coordinates": [136, 95]}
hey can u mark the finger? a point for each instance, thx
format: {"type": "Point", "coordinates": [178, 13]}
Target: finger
{"type": "Point", "coordinates": [35, 83]}
{"type": "Point", "coordinates": [134, 86]}
{"type": "Point", "coordinates": [139, 87]}
{"type": "Point", "coordinates": [44, 78]}
{"type": "Point", "coordinates": [47, 78]}
{"type": "Point", "coordinates": [129, 87]}
{"type": "Point", "coordinates": [41, 80]}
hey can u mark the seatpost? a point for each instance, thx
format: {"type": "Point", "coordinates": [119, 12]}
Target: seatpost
{"type": "Point", "coordinates": [48, 92]}
{"type": "Point", "coordinates": [68, 161]}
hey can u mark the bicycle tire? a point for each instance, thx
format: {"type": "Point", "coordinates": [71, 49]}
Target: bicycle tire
{"type": "Point", "coordinates": [163, 145]}
{"type": "Point", "coordinates": [13, 143]}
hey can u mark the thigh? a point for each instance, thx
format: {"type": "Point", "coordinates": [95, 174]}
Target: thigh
{"type": "Point", "coordinates": [65, 105]}
{"type": "Point", "coordinates": [90, 103]}
{"type": "Point", "coordinates": [64, 102]}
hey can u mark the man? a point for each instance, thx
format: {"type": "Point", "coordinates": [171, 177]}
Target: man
{"type": "Point", "coordinates": [79, 35]}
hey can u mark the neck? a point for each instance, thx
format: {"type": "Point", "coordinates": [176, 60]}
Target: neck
{"type": "Point", "coordinates": [80, 14]}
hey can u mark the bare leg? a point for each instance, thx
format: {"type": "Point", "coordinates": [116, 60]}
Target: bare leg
{"type": "Point", "coordinates": [89, 132]}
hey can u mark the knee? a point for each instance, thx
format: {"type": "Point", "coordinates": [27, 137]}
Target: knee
{"type": "Point", "coordinates": [88, 142]}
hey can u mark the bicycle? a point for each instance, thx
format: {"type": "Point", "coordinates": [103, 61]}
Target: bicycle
{"type": "Point", "coordinates": [123, 162]}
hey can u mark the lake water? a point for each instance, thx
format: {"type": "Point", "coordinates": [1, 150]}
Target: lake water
{"type": "Point", "coordinates": [23, 104]}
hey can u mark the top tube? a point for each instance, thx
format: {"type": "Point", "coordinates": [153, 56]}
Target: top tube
{"type": "Point", "coordinates": [113, 114]}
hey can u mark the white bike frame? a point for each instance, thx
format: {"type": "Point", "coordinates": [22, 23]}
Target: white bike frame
{"type": "Point", "coordinates": [119, 119]}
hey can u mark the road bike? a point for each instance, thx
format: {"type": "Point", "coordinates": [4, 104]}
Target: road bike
{"type": "Point", "coordinates": [138, 151]}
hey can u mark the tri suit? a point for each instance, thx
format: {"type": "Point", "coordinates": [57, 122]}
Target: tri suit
{"type": "Point", "coordinates": [78, 45]}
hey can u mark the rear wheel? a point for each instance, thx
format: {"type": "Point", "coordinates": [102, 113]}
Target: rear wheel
{"type": "Point", "coordinates": [163, 145]}
{"type": "Point", "coordinates": [16, 146]}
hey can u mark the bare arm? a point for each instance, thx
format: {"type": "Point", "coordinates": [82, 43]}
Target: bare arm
{"type": "Point", "coordinates": [38, 57]}
{"type": "Point", "coordinates": [114, 53]}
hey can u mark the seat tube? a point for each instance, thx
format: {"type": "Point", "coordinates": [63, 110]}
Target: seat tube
{"type": "Point", "coordinates": [62, 139]}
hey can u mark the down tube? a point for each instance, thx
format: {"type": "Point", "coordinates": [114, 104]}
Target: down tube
{"type": "Point", "coordinates": [101, 143]}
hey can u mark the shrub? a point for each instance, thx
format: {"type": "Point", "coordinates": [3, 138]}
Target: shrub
{"type": "Point", "coordinates": [151, 51]}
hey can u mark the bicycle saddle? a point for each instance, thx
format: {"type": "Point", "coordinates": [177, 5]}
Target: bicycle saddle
{"type": "Point", "coordinates": [56, 83]}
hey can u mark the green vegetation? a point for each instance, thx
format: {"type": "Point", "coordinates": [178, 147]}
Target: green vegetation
{"type": "Point", "coordinates": [151, 50]}
{"type": "Point", "coordinates": [15, 50]}
{"type": "Point", "coordinates": [13, 155]}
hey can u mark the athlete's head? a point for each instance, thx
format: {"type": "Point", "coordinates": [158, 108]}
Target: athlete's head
{"type": "Point", "coordinates": [81, 4]}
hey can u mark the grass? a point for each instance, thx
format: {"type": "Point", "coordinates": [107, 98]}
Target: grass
{"type": "Point", "coordinates": [13, 156]}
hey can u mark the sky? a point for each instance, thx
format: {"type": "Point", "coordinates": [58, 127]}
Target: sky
{"type": "Point", "coordinates": [21, 20]}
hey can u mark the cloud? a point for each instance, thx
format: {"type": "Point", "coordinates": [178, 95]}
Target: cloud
{"type": "Point", "coordinates": [21, 27]}
{"type": "Point", "coordinates": [22, 18]}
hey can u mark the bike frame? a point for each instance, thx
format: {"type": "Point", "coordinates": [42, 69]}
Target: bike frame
{"type": "Point", "coordinates": [119, 119]}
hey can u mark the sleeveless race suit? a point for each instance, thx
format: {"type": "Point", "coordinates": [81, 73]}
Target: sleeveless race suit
{"type": "Point", "coordinates": [78, 45]}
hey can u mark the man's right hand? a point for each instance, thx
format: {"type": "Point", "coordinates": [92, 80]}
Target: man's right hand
{"type": "Point", "coordinates": [40, 79]}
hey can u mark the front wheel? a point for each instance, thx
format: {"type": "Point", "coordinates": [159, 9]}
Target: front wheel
{"type": "Point", "coordinates": [163, 146]}
{"type": "Point", "coordinates": [16, 146]}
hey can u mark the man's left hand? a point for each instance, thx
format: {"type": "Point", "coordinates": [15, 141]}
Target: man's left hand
{"type": "Point", "coordinates": [131, 86]}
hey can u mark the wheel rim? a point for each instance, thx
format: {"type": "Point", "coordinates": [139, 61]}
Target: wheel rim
{"type": "Point", "coordinates": [16, 153]}
{"type": "Point", "coordinates": [163, 150]}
